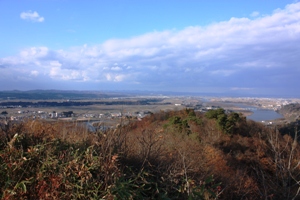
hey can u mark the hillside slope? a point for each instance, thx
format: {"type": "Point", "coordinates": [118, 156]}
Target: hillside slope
{"type": "Point", "coordinates": [168, 155]}
{"type": "Point", "coordinates": [291, 111]}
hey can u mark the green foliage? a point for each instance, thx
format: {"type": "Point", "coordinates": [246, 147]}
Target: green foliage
{"type": "Point", "coordinates": [4, 113]}
{"type": "Point", "coordinates": [213, 114]}
{"type": "Point", "coordinates": [195, 119]}
{"type": "Point", "coordinates": [234, 117]}
{"type": "Point", "coordinates": [225, 122]}
{"type": "Point", "coordinates": [222, 120]}
{"type": "Point", "coordinates": [181, 125]}
{"type": "Point", "coordinates": [175, 120]}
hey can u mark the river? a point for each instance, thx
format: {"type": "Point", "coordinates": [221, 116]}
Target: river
{"type": "Point", "coordinates": [261, 114]}
{"type": "Point", "coordinates": [264, 115]}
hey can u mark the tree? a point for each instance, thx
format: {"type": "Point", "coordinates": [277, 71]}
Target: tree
{"type": "Point", "coordinates": [222, 121]}
{"type": "Point", "coordinates": [213, 114]}
{"type": "Point", "coordinates": [225, 122]}
{"type": "Point", "coordinates": [4, 113]}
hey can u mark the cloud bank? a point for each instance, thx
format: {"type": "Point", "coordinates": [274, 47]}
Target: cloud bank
{"type": "Point", "coordinates": [259, 53]}
{"type": "Point", "coordinates": [31, 16]}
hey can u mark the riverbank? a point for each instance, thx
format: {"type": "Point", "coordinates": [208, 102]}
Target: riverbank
{"type": "Point", "coordinates": [250, 111]}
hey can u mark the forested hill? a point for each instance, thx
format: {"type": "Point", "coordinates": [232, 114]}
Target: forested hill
{"type": "Point", "coordinates": [167, 155]}
{"type": "Point", "coordinates": [291, 111]}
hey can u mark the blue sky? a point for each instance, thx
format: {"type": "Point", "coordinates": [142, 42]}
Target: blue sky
{"type": "Point", "coordinates": [234, 46]}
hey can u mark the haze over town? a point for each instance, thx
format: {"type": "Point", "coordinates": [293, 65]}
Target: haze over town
{"type": "Point", "coordinates": [221, 47]}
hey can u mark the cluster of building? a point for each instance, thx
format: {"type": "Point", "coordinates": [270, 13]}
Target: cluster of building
{"type": "Point", "coordinates": [69, 115]}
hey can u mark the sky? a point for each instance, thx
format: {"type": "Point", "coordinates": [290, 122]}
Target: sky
{"type": "Point", "coordinates": [196, 46]}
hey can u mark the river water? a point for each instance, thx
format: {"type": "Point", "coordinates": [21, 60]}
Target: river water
{"type": "Point", "coordinates": [261, 114]}
{"type": "Point", "coordinates": [264, 115]}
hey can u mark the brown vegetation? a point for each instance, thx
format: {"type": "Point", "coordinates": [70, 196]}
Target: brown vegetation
{"type": "Point", "coordinates": [168, 155]}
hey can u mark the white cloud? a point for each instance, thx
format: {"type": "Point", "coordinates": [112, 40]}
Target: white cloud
{"type": "Point", "coordinates": [66, 74]}
{"type": "Point", "coordinates": [115, 77]}
{"type": "Point", "coordinates": [55, 64]}
{"type": "Point", "coordinates": [34, 52]}
{"type": "Point", "coordinates": [108, 77]}
{"type": "Point", "coordinates": [31, 16]}
{"type": "Point", "coordinates": [254, 14]}
{"type": "Point", "coordinates": [116, 68]}
{"type": "Point", "coordinates": [237, 53]}
{"type": "Point", "coordinates": [120, 77]}
{"type": "Point", "coordinates": [34, 73]}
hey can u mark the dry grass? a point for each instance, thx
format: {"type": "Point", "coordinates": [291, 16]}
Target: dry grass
{"type": "Point", "coordinates": [157, 158]}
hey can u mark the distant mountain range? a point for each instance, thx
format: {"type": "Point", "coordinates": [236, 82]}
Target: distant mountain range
{"type": "Point", "coordinates": [84, 94]}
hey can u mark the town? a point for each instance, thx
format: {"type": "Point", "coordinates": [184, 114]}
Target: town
{"type": "Point", "coordinates": [112, 111]}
